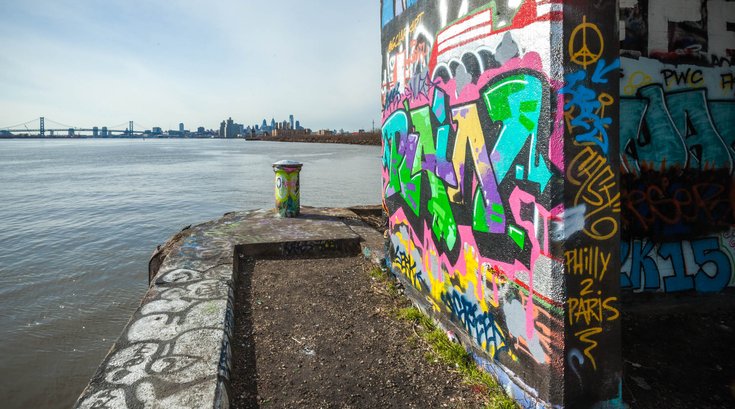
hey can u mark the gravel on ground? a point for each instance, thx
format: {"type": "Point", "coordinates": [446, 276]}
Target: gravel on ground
{"type": "Point", "coordinates": [322, 333]}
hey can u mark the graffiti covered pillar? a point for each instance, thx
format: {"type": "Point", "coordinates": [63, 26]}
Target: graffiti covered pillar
{"type": "Point", "coordinates": [494, 183]}
{"type": "Point", "coordinates": [500, 181]}
{"type": "Point", "coordinates": [593, 376]}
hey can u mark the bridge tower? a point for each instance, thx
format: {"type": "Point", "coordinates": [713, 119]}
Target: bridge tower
{"type": "Point", "coordinates": [41, 127]}
{"type": "Point", "coordinates": [130, 127]}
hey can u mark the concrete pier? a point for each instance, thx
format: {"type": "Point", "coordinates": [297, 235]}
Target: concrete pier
{"type": "Point", "coordinates": [176, 349]}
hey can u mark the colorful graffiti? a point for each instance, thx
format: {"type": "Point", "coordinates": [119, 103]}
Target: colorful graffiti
{"type": "Point", "coordinates": [427, 45]}
{"type": "Point", "coordinates": [676, 204]}
{"type": "Point", "coordinates": [704, 264]}
{"type": "Point", "coordinates": [287, 188]}
{"type": "Point", "coordinates": [677, 145]}
{"type": "Point", "coordinates": [496, 223]}
{"type": "Point", "coordinates": [676, 130]}
{"type": "Point", "coordinates": [472, 166]}
{"type": "Point", "coordinates": [512, 100]}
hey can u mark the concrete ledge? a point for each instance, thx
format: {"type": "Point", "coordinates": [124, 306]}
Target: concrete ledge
{"type": "Point", "coordinates": [175, 350]}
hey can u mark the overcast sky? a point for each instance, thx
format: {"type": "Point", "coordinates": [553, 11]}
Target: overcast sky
{"type": "Point", "coordinates": [160, 62]}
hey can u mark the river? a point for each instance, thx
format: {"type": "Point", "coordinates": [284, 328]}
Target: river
{"type": "Point", "coordinates": [80, 218]}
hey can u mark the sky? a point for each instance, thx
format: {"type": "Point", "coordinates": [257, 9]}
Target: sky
{"type": "Point", "coordinates": [100, 63]}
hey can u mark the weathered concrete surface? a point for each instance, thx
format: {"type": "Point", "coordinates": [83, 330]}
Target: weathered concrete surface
{"type": "Point", "coordinates": [175, 350]}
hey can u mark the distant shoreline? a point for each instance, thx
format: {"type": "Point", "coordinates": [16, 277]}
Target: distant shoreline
{"type": "Point", "coordinates": [350, 139]}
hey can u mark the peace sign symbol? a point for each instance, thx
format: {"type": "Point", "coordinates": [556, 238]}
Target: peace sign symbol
{"type": "Point", "coordinates": [581, 53]}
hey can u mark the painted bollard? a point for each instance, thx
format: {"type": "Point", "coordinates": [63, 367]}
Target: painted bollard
{"type": "Point", "coordinates": [287, 187]}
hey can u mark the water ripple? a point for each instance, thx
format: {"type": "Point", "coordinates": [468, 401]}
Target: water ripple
{"type": "Point", "coordinates": [80, 219]}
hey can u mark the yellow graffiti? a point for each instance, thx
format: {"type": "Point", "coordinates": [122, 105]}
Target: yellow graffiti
{"type": "Point", "coordinates": [636, 80]}
{"type": "Point", "coordinates": [405, 263]}
{"type": "Point", "coordinates": [497, 280]}
{"type": "Point", "coordinates": [287, 185]}
{"type": "Point", "coordinates": [437, 286]}
{"type": "Point", "coordinates": [442, 283]}
{"type": "Point", "coordinates": [473, 278]}
{"type": "Point", "coordinates": [398, 38]}
{"type": "Point", "coordinates": [495, 347]}
{"type": "Point", "coordinates": [591, 261]}
{"type": "Point", "coordinates": [593, 174]}
{"type": "Point", "coordinates": [584, 336]}
{"type": "Point", "coordinates": [588, 310]}
{"type": "Point", "coordinates": [471, 272]}
{"type": "Point", "coordinates": [569, 116]}
{"type": "Point", "coordinates": [605, 101]}
{"type": "Point", "coordinates": [469, 131]}
{"type": "Point", "coordinates": [407, 266]}
{"type": "Point", "coordinates": [579, 48]}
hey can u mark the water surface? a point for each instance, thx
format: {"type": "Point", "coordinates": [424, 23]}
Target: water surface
{"type": "Point", "coordinates": [80, 218]}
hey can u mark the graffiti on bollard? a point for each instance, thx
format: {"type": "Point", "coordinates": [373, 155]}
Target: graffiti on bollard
{"type": "Point", "coordinates": [287, 187]}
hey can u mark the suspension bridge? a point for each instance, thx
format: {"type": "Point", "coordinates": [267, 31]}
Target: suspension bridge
{"type": "Point", "coordinates": [48, 128]}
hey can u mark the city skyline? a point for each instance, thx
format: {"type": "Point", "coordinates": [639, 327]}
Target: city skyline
{"type": "Point", "coordinates": [160, 64]}
{"type": "Point", "coordinates": [38, 124]}
{"type": "Point", "coordinates": [228, 128]}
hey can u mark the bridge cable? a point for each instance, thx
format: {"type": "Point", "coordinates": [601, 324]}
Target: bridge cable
{"type": "Point", "coordinates": [19, 125]}
{"type": "Point", "coordinates": [125, 124]}
{"type": "Point", "coordinates": [59, 123]}
{"type": "Point", "coordinates": [144, 126]}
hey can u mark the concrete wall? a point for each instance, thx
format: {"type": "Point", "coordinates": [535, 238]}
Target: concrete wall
{"type": "Point", "coordinates": [677, 136]}
{"type": "Point", "coordinates": [591, 240]}
{"type": "Point", "coordinates": [500, 150]}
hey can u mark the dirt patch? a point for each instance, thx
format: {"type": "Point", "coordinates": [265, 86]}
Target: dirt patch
{"type": "Point", "coordinates": [679, 360]}
{"type": "Point", "coordinates": [322, 333]}
{"type": "Point", "coordinates": [373, 216]}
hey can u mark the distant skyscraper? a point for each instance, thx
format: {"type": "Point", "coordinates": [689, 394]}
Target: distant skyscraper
{"type": "Point", "coordinates": [230, 129]}
{"type": "Point", "coordinates": [181, 127]}
{"type": "Point", "coordinates": [264, 124]}
{"type": "Point", "coordinates": [290, 120]}
{"type": "Point", "coordinates": [298, 125]}
{"type": "Point", "coordinates": [273, 123]}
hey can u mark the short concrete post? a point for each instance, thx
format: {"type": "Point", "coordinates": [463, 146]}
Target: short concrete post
{"type": "Point", "coordinates": [287, 187]}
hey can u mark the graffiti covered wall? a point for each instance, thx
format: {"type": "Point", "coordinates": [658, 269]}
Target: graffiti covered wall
{"type": "Point", "coordinates": [476, 106]}
{"type": "Point", "coordinates": [677, 144]}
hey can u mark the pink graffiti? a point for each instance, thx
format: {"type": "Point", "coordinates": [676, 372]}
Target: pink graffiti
{"type": "Point", "coordinates": [471, 94]}
{"type": "Point", "coordinates": [467, 239]}
{"type": "Point", "coordinates": [385, 174]}
{"type": "Point", "coordinates": [517, 198]}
